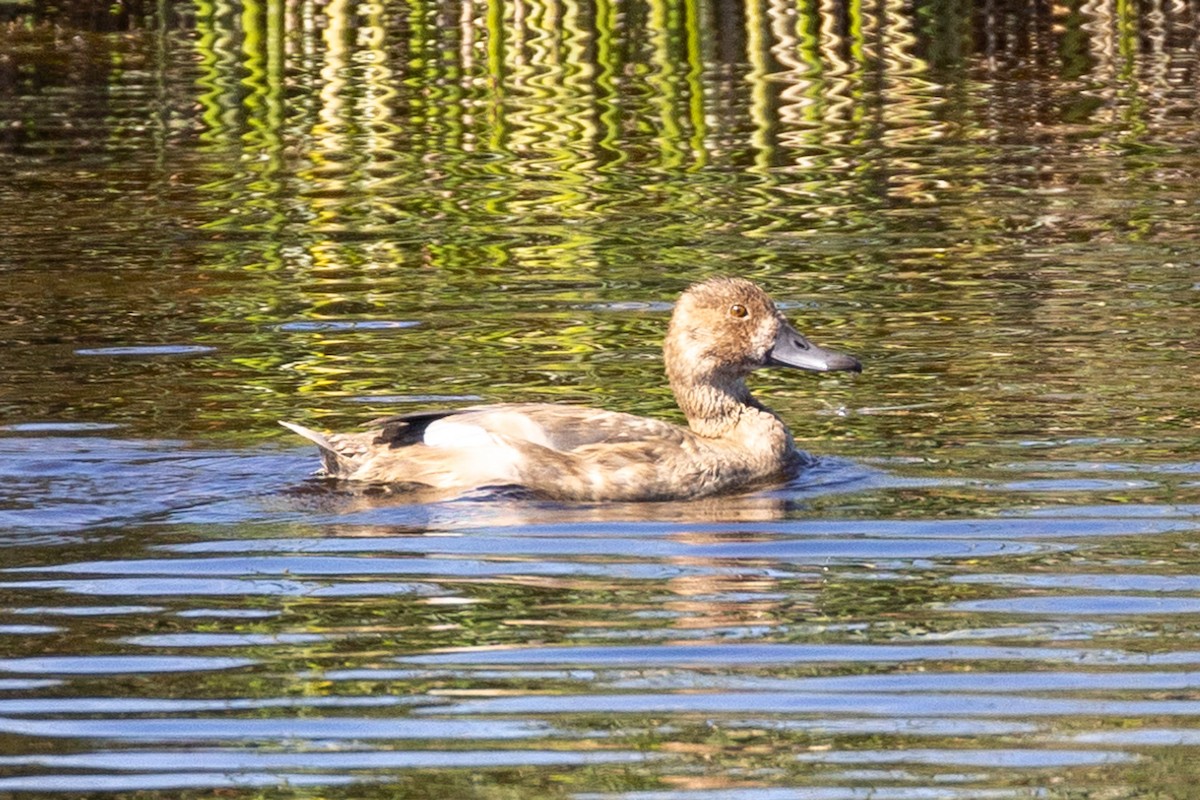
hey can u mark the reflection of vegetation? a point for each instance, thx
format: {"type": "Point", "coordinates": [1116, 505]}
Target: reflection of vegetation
{"type": "Point", "coordinates": [995, 205]}
{"type": "Point", "coordinates": [492, 171]}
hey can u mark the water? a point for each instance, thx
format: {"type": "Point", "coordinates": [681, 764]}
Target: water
{"type": "Point", "coordinates": [215, 216]}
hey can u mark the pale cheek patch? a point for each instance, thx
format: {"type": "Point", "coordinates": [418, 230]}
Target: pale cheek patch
{"type": "Point", "coordinates": [764, 339]}
{"type": "Point", "coordinates": [694, 351]}
{"type": "Point", "coordinates": [458, 435]}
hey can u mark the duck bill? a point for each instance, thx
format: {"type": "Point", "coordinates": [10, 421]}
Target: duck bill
{"type": "Point", "coordinates": [793, 350]}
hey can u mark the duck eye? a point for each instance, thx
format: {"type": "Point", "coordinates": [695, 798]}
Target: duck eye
{"type": "Point", "coordinates": [738, 310]}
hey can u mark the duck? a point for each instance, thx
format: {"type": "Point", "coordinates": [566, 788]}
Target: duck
{"type": "Point", "coordinates": [721, 330]}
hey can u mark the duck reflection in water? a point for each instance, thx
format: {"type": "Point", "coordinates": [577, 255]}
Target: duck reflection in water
{"type": "Point", "coordinates": [721, 330]}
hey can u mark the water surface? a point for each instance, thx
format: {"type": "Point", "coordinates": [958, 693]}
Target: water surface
{"type": "Point", "coordinates": [217, 216]}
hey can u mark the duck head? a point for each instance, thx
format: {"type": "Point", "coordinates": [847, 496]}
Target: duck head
{"type": "Point", "coordinates": [724, 328]}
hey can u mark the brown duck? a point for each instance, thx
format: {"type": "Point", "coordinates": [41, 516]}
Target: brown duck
{"type": "Point", "coordinates": [720, 331]}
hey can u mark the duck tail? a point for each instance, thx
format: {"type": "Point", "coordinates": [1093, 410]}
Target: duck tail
{"type": "Point", "coordinates": [330, 459]}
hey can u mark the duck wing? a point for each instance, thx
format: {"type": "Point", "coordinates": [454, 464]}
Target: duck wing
{"type": "Point", "coordinates": [401, 430]}
{"type": "Point", "coordinates": [557, 427]}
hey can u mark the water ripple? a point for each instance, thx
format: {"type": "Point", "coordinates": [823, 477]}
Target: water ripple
{"type": "Point", "coordinates": [739, 654]}
{"type": "Point", "coordinates": [203, 729]}
{"type": "Point", "coordinates": [114, 665]}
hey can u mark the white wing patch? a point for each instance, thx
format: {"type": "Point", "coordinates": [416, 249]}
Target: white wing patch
{"type": "Point", "coordinates": [455, 434]}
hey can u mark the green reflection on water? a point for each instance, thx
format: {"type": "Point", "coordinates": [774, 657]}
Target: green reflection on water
{"type": "Point", "coordinates": [994, 207]}
{"type": "Point", "coordinates": [974, 204]}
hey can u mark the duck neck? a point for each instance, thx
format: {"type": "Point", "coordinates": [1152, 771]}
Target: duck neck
{"type": "Point", "coordinates": [715, 405]}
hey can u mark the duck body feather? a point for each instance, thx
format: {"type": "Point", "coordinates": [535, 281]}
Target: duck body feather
{"type": "Point", "coordinates": [557, 452]}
